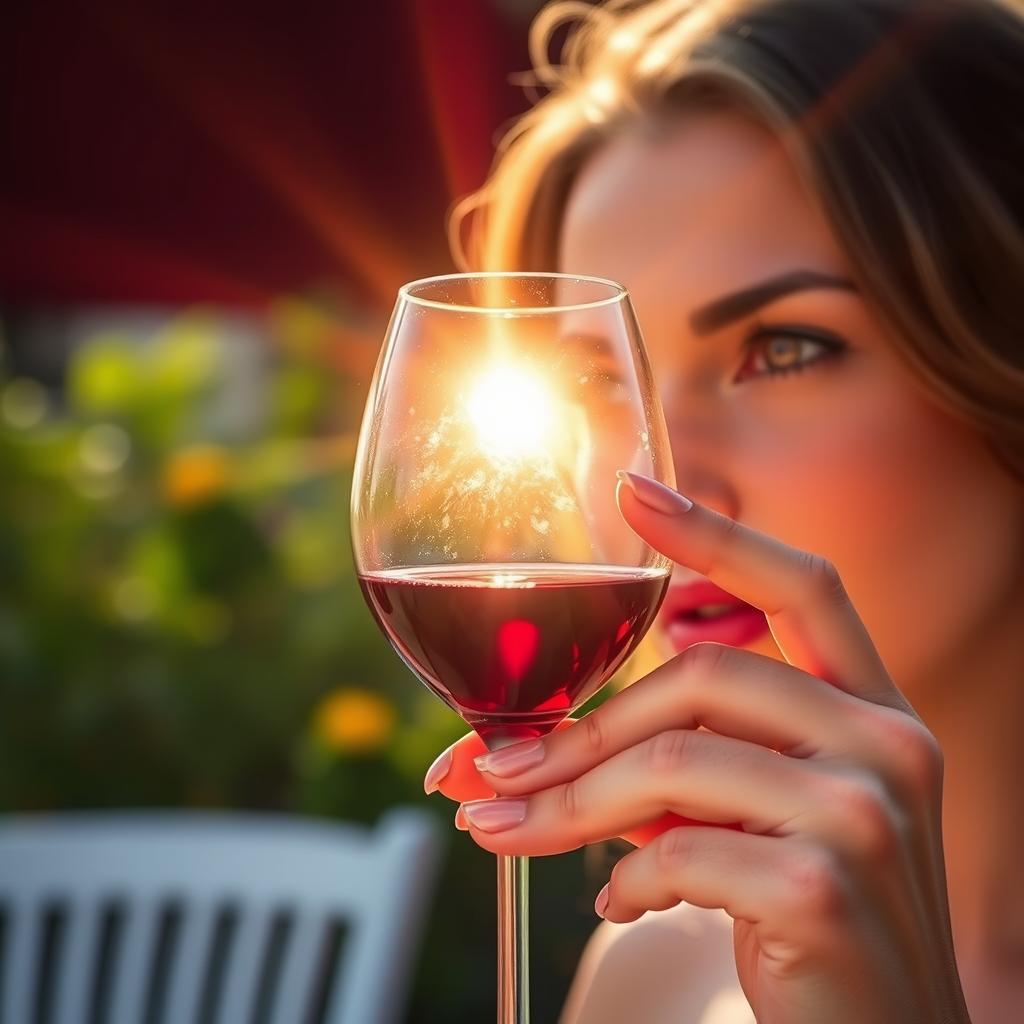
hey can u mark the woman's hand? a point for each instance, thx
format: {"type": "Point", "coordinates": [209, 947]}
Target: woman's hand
{"type": "Point", "coordinates": [830, 787]}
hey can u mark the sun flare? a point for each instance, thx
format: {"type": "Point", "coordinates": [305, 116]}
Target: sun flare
{"type": "Point", "coordinates": [512, 412]}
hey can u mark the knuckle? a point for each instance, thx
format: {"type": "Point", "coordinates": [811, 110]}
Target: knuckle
{"type": "Point", "coordinates": [595, 735]}
{"type": "Point", "coordinates": [704, 668]}
{"type": "Point", "coordinates": [668, 752]}
{"type": "Point", "coordinates": [913, 750]}
{"type": "Point", "coordinates": [568, 800]}
{"type": "Point", "coordinates": [704, 659]}
{"type": "Point", "coordinates": [823, 579]}
{"type": "Point", "coordinates": [816, 885]}
{"type": "Point", "coordinates": [867, 820]}
{"type": "Point", "coordinates": [672, 851]}
{"type": "Point", "coordinates": [729, 531]}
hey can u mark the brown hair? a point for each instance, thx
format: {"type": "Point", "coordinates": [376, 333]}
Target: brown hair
{"type": "Point", "coordinates": [905, 116]}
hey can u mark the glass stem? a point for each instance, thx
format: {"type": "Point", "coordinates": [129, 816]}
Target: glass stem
{"type": "Point", "coordinates": [513, 940]}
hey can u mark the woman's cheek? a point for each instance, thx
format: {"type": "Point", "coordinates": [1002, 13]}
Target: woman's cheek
{"type": "Point", "coordinates": [853, 489]}
{"type": "Point", "coordinates": [900, 498]}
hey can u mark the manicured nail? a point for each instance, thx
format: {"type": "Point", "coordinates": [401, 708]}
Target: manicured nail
{"type": "Point", "coordinates": [654, 494]}
{"type": "Point", "coordinates": [495, 815]}
{"type": "Point", "coordinates": [601, 903]}
{"type": "Point", "coordinates": [460, 820]}
{"type": "Point", "coordinates": [437, 771]}
{"type": "Point", "coordinates": [511, 760]}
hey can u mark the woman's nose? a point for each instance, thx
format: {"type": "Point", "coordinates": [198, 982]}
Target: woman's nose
{"type": "Point", "coordinates": [701, 458]}
{"type": "Point", "coordinates": [706, 488]}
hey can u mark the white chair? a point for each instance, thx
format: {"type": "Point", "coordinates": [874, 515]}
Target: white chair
{"type": "Point", "coordinates": [210, 918]}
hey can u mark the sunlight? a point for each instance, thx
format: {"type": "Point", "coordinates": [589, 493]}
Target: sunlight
{"type": "Point", "coordinates": [512, 412]}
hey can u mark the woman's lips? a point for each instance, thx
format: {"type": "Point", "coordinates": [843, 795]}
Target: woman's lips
{"type": "Point", "coordinates": [737, 627]}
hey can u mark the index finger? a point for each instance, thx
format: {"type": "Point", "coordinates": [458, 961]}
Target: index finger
{"type": "Point", "coordinates": [455, 774]}
{"type": "Point", "coordinates": [808, 610]}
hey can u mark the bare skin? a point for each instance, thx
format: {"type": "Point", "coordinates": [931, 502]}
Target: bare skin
{"type": "Point", "coordinates": [851, 461]}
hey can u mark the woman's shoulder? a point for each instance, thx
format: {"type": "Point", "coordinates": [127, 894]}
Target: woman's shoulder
{"type": "Point", "coordinates": [670, 966]}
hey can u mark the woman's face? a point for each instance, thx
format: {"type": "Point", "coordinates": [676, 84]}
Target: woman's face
{"type": "Point", "coordinates": [787, 406]}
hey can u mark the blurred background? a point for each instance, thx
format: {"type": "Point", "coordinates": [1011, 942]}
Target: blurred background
{"type": "Point", "coordinates": [207, 210]}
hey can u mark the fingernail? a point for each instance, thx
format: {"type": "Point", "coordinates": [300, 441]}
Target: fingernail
{"type": "Point", "coordinates": [511, 760]}
{"type": "Point", "coordinates": [495, 815]}
{"type": "Point", "coordinates": [654, 494]}
{"type": "Point", "coordinates": [437, 771]}
{"type": "Point", "coordinates": [460, 820]}
{"type": "Point", "coordinates": [601, 903]}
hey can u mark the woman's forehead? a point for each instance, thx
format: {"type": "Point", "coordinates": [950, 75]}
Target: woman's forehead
{"type": "Point", "coordinates": [716, 198]}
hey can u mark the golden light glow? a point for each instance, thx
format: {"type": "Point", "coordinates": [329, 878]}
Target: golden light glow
{"type": "Point", "coordinates": [622, 40]}
{"type": "Point", "coordinates": [600, 96]}
{"type": "Point", "coordinates": [603, 90]}
{"type": "Point", "coordinates": [512, 412]}
{"type": "Point", "coordinates": [510, 580]}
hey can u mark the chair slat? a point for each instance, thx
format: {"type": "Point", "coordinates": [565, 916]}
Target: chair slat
{"type": "Point", "coordinates": [23, 943]}
{"type": "Point", "coordinates": [376, 962]}
{"type": "Point", "coordinates": [133, 958]}
{"type": "Point", "coordinates": [189, 958]}
{"type": "Point", "coordinates": [244, 961]}
{"type": "Point", "coordinates": [76, 961]}
{"type": "Point", "coordinates": [299, 962]}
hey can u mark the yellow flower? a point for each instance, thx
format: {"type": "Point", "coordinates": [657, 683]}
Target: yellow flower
{"type": "Point", "coordinates": [353, 719]}
{"type": "Point", "coordinates": [195, 474]}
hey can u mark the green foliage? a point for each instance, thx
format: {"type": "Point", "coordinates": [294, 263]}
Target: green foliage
{"type": "Point", "coordinates": [180, 625]}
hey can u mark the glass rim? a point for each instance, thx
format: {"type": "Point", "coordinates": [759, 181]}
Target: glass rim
{"type": "Point", "coordinates": [619, 292]}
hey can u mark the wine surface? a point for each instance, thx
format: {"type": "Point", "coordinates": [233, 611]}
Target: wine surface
{"type": "Point", "coordinates": [514, 647]}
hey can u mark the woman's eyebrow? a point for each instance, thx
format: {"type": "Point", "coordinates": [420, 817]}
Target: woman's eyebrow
{"type": "Point", "coordinates": [722, 311]}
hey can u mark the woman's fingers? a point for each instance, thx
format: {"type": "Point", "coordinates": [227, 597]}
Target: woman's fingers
{"type": "Point", "coordinates": [733, 692]}
{"type": "Point", "coordinates": [701, 775]}
{"type": "Point", "coordinates": [760, 879]}
{"type": "Point", "coordinates": [808, 610]}
{"type": "Point", "coordinates": [454, 773]}
{"type": "Point", "coordinates": [729, 691]}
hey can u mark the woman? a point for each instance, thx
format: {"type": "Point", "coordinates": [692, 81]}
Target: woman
{"type": "Point", "coordinates": [818, 208]}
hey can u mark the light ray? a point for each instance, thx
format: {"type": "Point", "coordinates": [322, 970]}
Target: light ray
{"type": "Point", "coordinates": [458, 61]}
{"type": "Point", "coordinates": [273, 137]}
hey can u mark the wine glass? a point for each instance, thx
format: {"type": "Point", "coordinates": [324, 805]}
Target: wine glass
{"type": "Point", "coordinates": [485, 530]}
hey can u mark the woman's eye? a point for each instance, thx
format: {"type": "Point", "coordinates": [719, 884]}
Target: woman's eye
{"type": "Point", "coordinates": [778, 351]}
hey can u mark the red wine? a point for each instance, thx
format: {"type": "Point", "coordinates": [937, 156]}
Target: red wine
{"type": "Point", "coordinates": [513, 648]}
